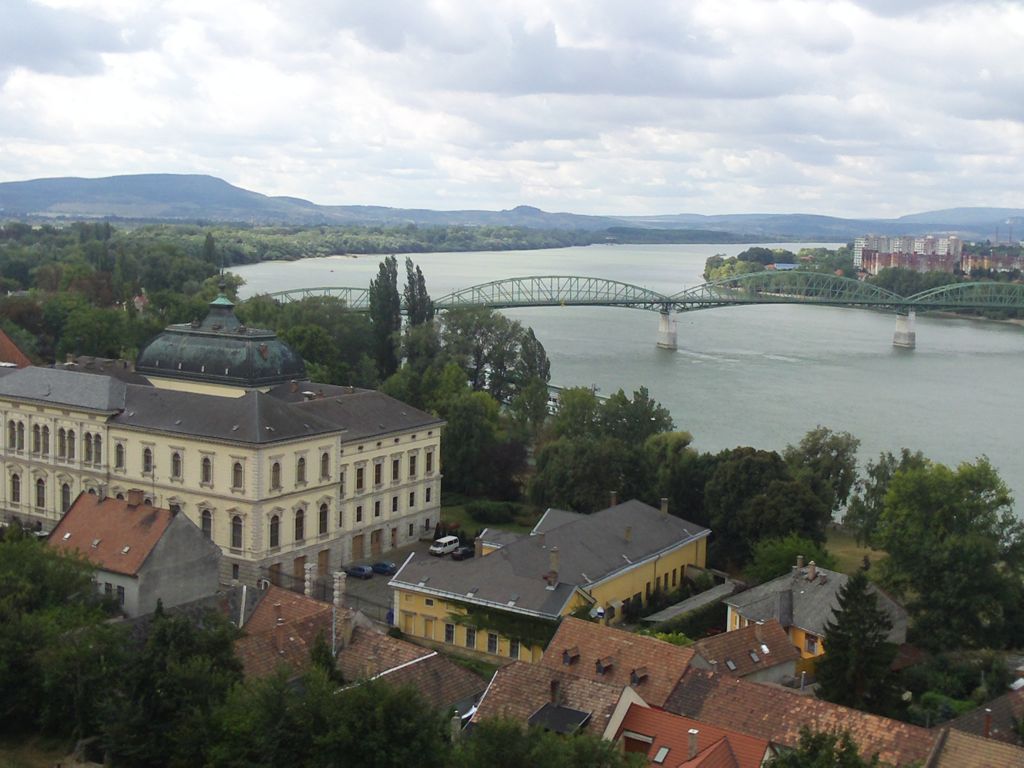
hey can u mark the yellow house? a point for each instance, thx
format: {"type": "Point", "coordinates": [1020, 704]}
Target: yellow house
{"type": "Point", "coordinates": [804, 601]}
{"type": "Point", "coordinates": [290, 478]}
{"type": "Point", "coordinates": [509, 599]}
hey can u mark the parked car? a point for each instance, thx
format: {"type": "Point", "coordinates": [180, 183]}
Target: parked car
{"type": "Point", "coordinates": [360, 571]}
{"type": "Point", "coordinates": [464, 552]}
{"type": "Point", "coordinates": [444, 545]}
{"type": "Point", "coordinates": [385, 567]}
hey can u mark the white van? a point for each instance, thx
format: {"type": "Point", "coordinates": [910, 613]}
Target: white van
{"type": "Point", "coordinates": [444, 545]}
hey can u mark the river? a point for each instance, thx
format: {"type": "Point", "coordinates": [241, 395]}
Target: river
{"type": "Point", "coordinates": [759, 375]}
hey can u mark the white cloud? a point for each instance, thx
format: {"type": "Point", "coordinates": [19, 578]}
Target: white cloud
{"type": "Point", "coordinates": [838, 107]}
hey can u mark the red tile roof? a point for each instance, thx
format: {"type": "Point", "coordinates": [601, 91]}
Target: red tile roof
{"type": "Point", "coordinates": [369, 653]}
{"type": "Point", "coordinates": [110, 533]}
{"type": "Point", "coordinates": [672, 731]}
{"type": "Point", "coordinates": [518, 690]}
{"type": "Point", "coordinates": [651, 666]}
{"type": "Point", "coordinates": [11, 352]}
{"type": "Point", "coordinates": [268, 645]}
{"type": "Point", "coordinates": [768, 642]}
{"type": "Point", "coordinates": [440, 681]}
{"type": "Point", "coordinates": [777, 714]}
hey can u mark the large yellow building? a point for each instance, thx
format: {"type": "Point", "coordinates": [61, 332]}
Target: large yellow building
{"type": "Point", "coordinates": [507, 601]}
{"type": "Point", "coordinates": [218, 421]}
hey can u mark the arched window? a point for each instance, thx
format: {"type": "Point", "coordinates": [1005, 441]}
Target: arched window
{"type": "Point", "coordinates": [176, 465]}
{"type": "Point", "coordinates": [87, 447]}
{"type": "Point", "coordinates": [40, 492]}
{"type": "Point", "coordinates": [62, 443]}
{"type": "Point", "coordinates": [146, 500]}
{"type": "Point", "coordinates": [275, 476]}
{"type": "Point", "coordinates": [36, 438]}
{"type": "Point", "coordinates": [12, 435]}
{"type": "Point", "coordinates": [120, 497]}
{"type": "Point", "coordinates": [207, 523]}
{"type": "Point", "coordinates": [21, 436]}
{"type": "Point", "coordinates": [300, 525]}
{"type": "Point", "coordinates": [236, 475]}
{"type": "Point", "coordinates": [71, 443]}
{"type": "Point", "coordinates": [323, 518]}
{"type": "Point", "coordinates": [119, 456]}
{"type": "Point", "coordinates": [275, 531]}
{"type": "Point", "coordinates": [65, 497]}
{"type": "Point", "coordinates": [325, 466]}
{"type": "Point", "coordinates": [46, 441]}
{"type": "Point", "coordinates": [147, 461]}
{"type": "Point", "coordinates": [236, 532]}
{"type": "Point", "coordinates": [97, 449]}
{"type": "Point", "coordinates": [300, 470]}
{"type": "Point", "coordinates": [207, 473]}
{"type": "Point", "coordinates": [16, 488]}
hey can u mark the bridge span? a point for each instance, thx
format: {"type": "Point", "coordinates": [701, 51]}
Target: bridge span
{"type": "Point", "coordinates": [767, 287]}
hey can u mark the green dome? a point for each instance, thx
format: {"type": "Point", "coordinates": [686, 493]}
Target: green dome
{"type": "Point", "coordinates": [220, 350]}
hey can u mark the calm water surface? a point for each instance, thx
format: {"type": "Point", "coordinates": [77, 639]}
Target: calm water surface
{"type": "Point", "coordinates": [760, 375]}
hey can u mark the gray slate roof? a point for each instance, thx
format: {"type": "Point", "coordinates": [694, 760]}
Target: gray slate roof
{"type": "Point", "coordinates": [80, 390]}
{"type": "Point", "coordinates": [552, 518]}
{"type": "Point", "coordinates": [258, 417]}
{"type": "Point", "coordinates": [590, 548]}
{"type": "Point", "coordinates": [813, 602]}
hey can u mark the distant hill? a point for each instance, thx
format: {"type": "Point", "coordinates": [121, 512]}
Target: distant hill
{"type": "Point", "coordinates": [185, 197]}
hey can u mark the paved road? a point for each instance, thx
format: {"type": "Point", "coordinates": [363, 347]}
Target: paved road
{"type": "Point", "coordinates": [373, 596]}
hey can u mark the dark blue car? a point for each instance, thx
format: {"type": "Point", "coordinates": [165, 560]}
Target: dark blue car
{"type": "Point", "coordinates": [385, 567]}
{"type": "Point", "coordinates": [360, 571]}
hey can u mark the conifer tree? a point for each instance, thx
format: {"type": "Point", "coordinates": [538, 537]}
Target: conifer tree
{"type": "Point", "coordinates": [855, 669]}
{"type": "Point", "coordinates": [386, 316]}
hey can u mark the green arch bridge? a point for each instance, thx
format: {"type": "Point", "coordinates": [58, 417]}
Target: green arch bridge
{"type": "Point", "coordinates": [768, 287]}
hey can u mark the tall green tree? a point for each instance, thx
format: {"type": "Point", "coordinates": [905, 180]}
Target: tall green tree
{"type": "Point", "coordinates": [826, 462]}
{"type": "Point", "coordinates": [633, 419]}
{"type": "Point", "coordinates": [855, 670]}
{"type": "Point", "coordinates": [956, 553]}
{"type": "Point", "coordinates": [386, 316]}
{"type": "Point", "coordinates": [774, 557]}
{"type": "Point", "coordinates": [865, 510]}
{"type": "Point", "coordinates": [418, 305]}
{"type": "Point", "coordinates": [823, 749]}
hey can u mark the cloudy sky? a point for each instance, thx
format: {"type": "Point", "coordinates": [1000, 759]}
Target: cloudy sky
{"type": "Point", "coordinates": [850, 108]}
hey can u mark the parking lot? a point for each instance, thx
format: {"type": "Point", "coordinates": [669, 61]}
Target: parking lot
{"type": "Point", "coordinates": [373, 596]}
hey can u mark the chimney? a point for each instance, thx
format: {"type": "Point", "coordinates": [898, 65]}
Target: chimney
{"type": "Point", "coordinates": [812, 571]}
{"type": "Point", "coordinates": [988, 722]}
{"type": "Point", "coordinates": [799, 561]}
{"type": "Point", "coordinates": [613, 498]}
{"type": "Point", "coordinates": [664, 506]}
{"type": "Point", "coordinates": [541, 536]}
{"type": "Point", "coordinates": [556, 693]}
{"type": "Point", "coordinates": [293, 386]}
{"type": "Point", "coordinates": [691, 750]}
{"type": "Point", "coordinates": [478, 547]}
{"type": "Point", "coordinates": [455, 725]}
{"type": "Point", "coordinates": [135, 497]}
{"type": "Point", "coordinates": [310, 569]}
{"type": "Point", "coordinates": [339, 589]}
{"type": "Point", "coordinates": [629, 533]}
{"type": "Point", "coordinates": [553, 564]}
{"type": "Point", "coordinates": [101, 492]}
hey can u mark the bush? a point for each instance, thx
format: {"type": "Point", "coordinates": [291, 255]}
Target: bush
{"type": "Point", "coordinates": [492, 512]}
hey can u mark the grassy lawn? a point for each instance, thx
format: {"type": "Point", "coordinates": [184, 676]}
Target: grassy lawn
{"type": "Point", "coordinates": [456, 513]}
{"type": "Point", "coordinates": [848, 553]}
{"type": "Point", "coordinates": [32, 753]}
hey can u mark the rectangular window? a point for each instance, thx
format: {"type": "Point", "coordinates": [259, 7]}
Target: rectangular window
{"type": "Point", "coordinates": [410, 530]}
{"type": "Point", "coordinates": [428, 601]}
{"type": "Point", "coordinates": [449, 633]}
{"type": "Point", "coordinates": [412, 499]}
{"type": "Point", "coordinates": [471, 637]}
{"type": "Point", "coordinates": [360, 476]}
{"type": "Point", "coordinates": [377, 473]}
{"type": "Point", "coordinates": [810, 643]}
{"type": "Point", "coordinates": [341, 482]}
{"type": "Point", "coordinates": [359, 513]}
{"type": "Point", "coordinates": [394, 503]}
{"type": "Point", "coordinates": [430, 462]}
{"type": "Point", "coordinates": [674, 577]}
{"type": "Point", "coordinates": [376, 509]}
{"type": "Point", "coordinates": [492, 643]}
{"type": "Point", "coordinates": [426, 495]}
{"type": "Point", "coordinates": [395, 469]}
{"type": "Point", "coordinates": [108, 589]}
{"type": "Point", "coordinates": [513, 649]}
{"type": "Point", "coordinates": [412, 465]}
{"type": "Point", "coordinates": [120, 596]}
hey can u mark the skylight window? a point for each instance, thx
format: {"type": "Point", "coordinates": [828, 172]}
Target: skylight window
{"type": "Point", "coordinates": [754, 657]}
{"type": "Point", "coordinates": [660, 756]}
{"type": "Point", "coordinates": [124, 550]}
{"type": "Point", "coordinates": [67, 535]}
{"type": "Point", "coordinates": [731, 665]}
{"type": "Point", "coordinates": [95, 543]}
{"type": "Point", "coordinates": [764, 649]}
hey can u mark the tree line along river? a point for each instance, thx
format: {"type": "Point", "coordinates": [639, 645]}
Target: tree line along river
{"type": "Point", "coordinates": [757, 375]}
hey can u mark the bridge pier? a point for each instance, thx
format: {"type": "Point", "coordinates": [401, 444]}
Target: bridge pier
{"type": "Point", "coordinates": [666, 330]}
{"type": "Point", "coordinates": [905, 336]}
